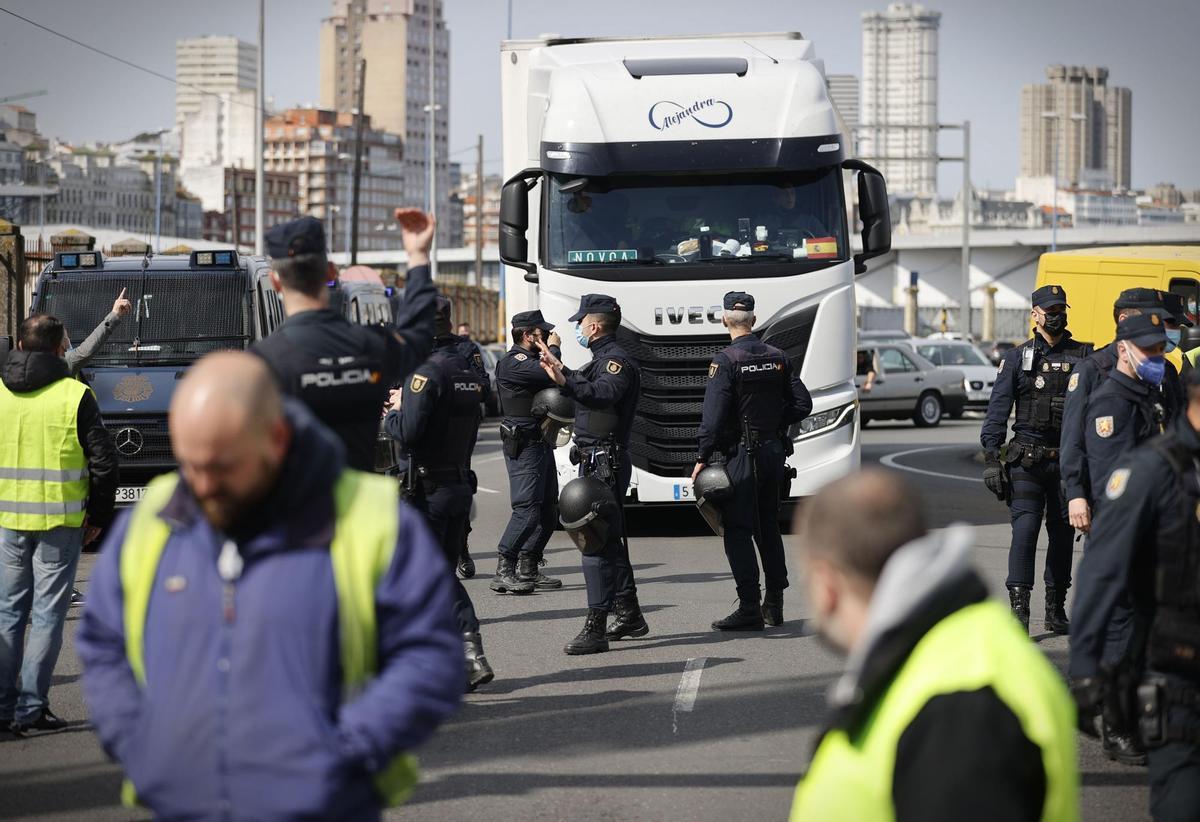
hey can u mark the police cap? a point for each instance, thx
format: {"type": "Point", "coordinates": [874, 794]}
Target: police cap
{"type": "Point", "coordinates": [595, 304]}
{"type": "Point", "coordinates": [1175, 304]}
{"type": "Point", "coordinates": [1049, 296]}
{"type": "Point", "coordinates": [1144, 330]}
{"type": "Point", "coordinates": [738, 301]}
{"type": "Point", "coordinates": [305, 235]}
{"type": "Point", "coordinates": [1146, 299]}
{"type": "Point", "coordinates": [531, 319]}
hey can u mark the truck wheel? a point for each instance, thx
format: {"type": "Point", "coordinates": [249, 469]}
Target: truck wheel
{"type": "Point", "coordinates": [929, 410]}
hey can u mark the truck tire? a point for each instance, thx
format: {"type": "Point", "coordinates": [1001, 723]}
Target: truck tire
{"type": "Point", "coordinates": [929, 410]}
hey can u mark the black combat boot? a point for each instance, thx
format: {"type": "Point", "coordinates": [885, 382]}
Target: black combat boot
{"type": "Point", "coordinates": [528, 571]}
{"type": "Point", "coordinates": [1122, 747]}
{"type": "Point", "coordinates": [591, 639]}
{"type": "Point", "coordinates": [1018, 600]}
{"type": "Point", "coordinates": [1056, 611]}
{"type": "Point", "coordinates": [506, 580]}
{"type": "Point", "coordinates": [628, 620]}
{"type": "Point", "coordinates": [747, 617]}
{"type": "Point", "coordinates": [479, 672]}
{"type": "Point", "coordinates": [466, 565]}
{"type": "Point", "coordinates": [772, 608]}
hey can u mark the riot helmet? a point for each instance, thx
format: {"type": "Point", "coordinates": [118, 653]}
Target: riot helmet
{"type": "Point", "coordinates": [555, 411]}
{"type": "Point", "coordinates": [711, 487]}
{"type": "Point", "coordinates": [587, 510]}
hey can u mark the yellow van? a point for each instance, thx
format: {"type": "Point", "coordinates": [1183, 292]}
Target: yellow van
{"type": "Point", "coordinates": [1093, 277]}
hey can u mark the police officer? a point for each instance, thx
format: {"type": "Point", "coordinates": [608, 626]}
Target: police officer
{"type": "Point", "coordinates": [435, 418]}
{"type": "Point", "coordinates": [528, 459]}
{"type": "Point", "coordinates": [1090, 373]}
{"type": "Point", "coordinates": [606, 394]}
{"type": "Point", "coordinates": [1179, 319]}
{"type": "Point", "coordinates": [343, 371]}
{"type": "Point", "coordinates": [470, 350]}
{"type": "Point", "coordinates": [751, 397]}
{"type": "Point", "coordinates": [1034, 376]}
{"type": "Point", "coordinates": [1146, 540]}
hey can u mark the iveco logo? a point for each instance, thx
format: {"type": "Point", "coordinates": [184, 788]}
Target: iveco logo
{"type": "Point", "coordinates": [695, 314]}
{"type": "Point", "coordinates": [129, 441]}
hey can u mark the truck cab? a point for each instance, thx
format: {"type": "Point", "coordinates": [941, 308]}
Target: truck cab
{"type": "Point", "coordinates": [184, 306]}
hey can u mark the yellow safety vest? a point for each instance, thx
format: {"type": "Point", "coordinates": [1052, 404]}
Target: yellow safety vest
{"type": "Point", "coordinates": [43, 470]}
{"type": "Point", "coordinates": [364, 540]}
{"type": "Point", "coordinates": [976, 647]}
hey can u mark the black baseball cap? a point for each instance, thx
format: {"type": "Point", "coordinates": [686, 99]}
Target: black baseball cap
{"type": "Point", "coordinates": [1175, 304]}
{"type": "Point", "coordinates": [738, 301]}
{"type": "Point", "coordinates": [1144, 330]}
{"type": "Point", "coordinates": [305, 235]}
{"type": "Point", "coordinates": [1144, 299]}
{"type": "Point", "coordinates": [595, 304]}
{"type": "Point", "coordinates": [1049, 296]}
{"type": "Point", "coordinates": [531, 319]}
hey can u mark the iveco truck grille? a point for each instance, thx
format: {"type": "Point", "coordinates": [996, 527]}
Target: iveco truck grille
{"type": "Point", "coordinates": [674, 372]}
{"type": "Point", "coordinates": [141, 441]}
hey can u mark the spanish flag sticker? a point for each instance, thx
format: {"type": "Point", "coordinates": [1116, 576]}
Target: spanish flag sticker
{"type": "Point", "coordinates": [821, 248]}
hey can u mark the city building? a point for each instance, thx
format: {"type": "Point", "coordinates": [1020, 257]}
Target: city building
{"type": "Point", "coordinates": [318, 146]}
{"type": "Point", "coordinates": [898, 130]}
{"type": "Point", "coordinates": [490, 219]}
{"type": "Point", "coordinates": [1083, 121]}
{"type": "Point", "coordinates": [211, 65]}
{"type": "Point", "coordinates": [226, 196]}
{"type": "Point", "coordinates": [1165, 194]}
{"type": "Point", "coordinates": [393, 37]}
{"type": "Point", "coordinates": [844, 89]}
{"type": "Point", "coordinates": [220, 132]}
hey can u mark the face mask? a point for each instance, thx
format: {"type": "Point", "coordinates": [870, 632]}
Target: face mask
{"type": "Point", "coordinates": [1055, 324]}
{"type": "Point", "coordinates": [580, 337]}
{"type": "Point", "coordinates": [1150, 369]}
{"type": "Point", "coordinates": [1174, 336]}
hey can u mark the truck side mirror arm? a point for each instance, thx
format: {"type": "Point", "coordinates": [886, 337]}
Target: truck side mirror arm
{"type": "Point", "coordinates": [514, 221]}
{"type": "Point", "coordinates": [874, 211]}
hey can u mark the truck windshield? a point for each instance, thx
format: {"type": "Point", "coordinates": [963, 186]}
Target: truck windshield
{"type": "Point", "coordinates": [177, 316]}
{"type": "Point", "coordinates": [697, 220]}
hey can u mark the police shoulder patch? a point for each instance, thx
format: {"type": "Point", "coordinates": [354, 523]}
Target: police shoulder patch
{"type": "Point", "coordinates": [713, 368]}
{"type": "Point", "coordinates": [1073, 383]}
{"type": "Point", "coordinates": [417, 383]}
{"type": "Point", "coordinates": [1104, 427]}
{"type": "Point", "coordinates": [613, 367]}
{"type": "Point", "coordinates": [1116, 483]}
{"type": "Point", "coordinates": [520, 357]}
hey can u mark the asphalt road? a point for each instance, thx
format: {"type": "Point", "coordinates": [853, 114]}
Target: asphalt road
{"type": "Point", "coordinates": [683, 724]}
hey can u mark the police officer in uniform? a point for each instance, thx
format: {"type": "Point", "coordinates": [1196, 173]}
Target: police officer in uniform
{"type": "Point", "coordinates": [1146, 540]}
{"type": "Point", "coordinates": [751, 397]}
{"type": "Point", "coordinates": [340, 370]}
{"type": "Point", "coordinates": [528, 459]}
{"type": "Point", "coordinates": [1034, 376]}
{"type": "Point", "coordinates": [606, 394]}
{"type": "Point", "coordinates": [470, 350]}
{"type": "Point", "coordinates": [435, 418]}
{"type": "Point", "coordinates": [1091, 373]}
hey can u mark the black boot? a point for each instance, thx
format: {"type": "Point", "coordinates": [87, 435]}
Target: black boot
{"type": "Point", "coordinates": [506, 580]}
{"type": "Point", "coordinates": [1056, 611]}
{"type": "Point", "coordinates": [591, 639]}
{"type": "Point", "coordinates": [628, 620]}
{"type": "Point", "coordinates": [479, 672]}
{"type": "Point", "coordinates": [747, 617]}
{"type": "Point", "coordinates": [1018, 600]}
{"type": "Point", "coordinates": [772, 608]}
{"type": "Point", "coordinates": [1122, 747]}
{"type": "Point", "coordinates": [466, 565]}
{"type": "Point", "coordinates": [528, 571]}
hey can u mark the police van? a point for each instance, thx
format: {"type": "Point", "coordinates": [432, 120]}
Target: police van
{"type": "Point", "coordinates": [184, 306]}
{"type": "Point", "coordinates": [361, 303]}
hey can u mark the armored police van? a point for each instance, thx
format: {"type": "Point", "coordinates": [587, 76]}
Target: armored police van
{"type": "Point", "coordinates": [184, 306]}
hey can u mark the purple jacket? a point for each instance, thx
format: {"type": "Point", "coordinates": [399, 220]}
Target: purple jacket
{"type": "Point", "coordinates": [240, 718]}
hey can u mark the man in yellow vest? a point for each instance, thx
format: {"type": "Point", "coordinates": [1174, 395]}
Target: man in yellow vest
{"type": "Point", "coordinates": [268, 635]}
{"type": "Point", "coordinates": [946, 710]}
{"type": "Point", "coordinates": [58, 479]}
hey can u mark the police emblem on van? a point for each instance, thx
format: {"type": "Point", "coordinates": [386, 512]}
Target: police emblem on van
{"type": "Point", "coordinates": [134, 388]}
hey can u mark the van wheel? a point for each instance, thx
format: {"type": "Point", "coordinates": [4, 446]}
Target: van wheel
{"type": "Point", "coordinates": [929, 410]}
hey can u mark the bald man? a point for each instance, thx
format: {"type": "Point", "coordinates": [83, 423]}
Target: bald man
{"type": "Point", "coordinates": [268, 633]}
{"type": "Point", "coordinates": [946, 711]}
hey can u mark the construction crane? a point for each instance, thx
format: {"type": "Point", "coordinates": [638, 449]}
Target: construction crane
{"type": "Point", "coordinates": [25, 96]}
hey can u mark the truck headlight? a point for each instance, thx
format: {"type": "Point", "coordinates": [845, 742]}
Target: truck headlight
{"type": "Point", "coordinates": [823, 421]}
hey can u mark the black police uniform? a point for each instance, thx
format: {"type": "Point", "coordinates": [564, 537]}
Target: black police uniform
{"type": "Point", "coordinates": [1035, 375]}
{"type": "Point", "coordinates": [529, 461]}
{"type": "Point", "coordinates": [606, 394]}
{"type": "Point", "coordinates": [343, 371]}
{"type": "Point", "coordinates": [751, 397]}
{"type": "Point", "coordinates": [437, 426]}
{"type": "Point", "coordinates": [1149, 529]}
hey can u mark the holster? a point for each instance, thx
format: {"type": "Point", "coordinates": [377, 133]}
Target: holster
{"type": "Point", "coordinates": [1157, 724]}
{"type": "Point", "coordinates": [512, 440]}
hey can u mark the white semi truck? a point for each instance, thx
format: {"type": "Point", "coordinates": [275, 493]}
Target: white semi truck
{"type": "Point", "coordinates": [666, 172]}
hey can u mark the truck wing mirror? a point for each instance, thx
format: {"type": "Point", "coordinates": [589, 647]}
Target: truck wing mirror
{"type": "Point", "coordinates": [874, 211]}
{"type": "Point", "coordinates": [514, 221]}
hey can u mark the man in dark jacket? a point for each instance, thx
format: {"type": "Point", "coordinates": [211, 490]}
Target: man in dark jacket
{"type": "Point", "coordinates": [58, 480]}
{"type": "Point", "coordinates": [268, 632]}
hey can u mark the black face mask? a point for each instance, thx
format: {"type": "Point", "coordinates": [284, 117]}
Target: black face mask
{"type": "Point", "coordinates": [1055, 324]}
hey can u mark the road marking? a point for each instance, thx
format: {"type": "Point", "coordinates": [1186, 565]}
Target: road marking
{"type": "Point", "coordinates": [689, 686]}
{"type": "Point", "coordinates": [487, 490]}
{"type": "Point", "coordinates": [890, 462]}
{"type": "Point", "coordinates": [492, 458]}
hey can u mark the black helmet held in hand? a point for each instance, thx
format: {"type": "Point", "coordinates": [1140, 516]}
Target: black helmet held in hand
{"type": "Point", "coordinates": [555, 410]}
{"type": "Point", "coordinates": [587, 510]}
{"type": "Point", "coordinates": [711, 486]}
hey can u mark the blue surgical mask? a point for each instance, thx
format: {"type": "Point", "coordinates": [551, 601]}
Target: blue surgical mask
{"type": "Point", "coordinates": [580, 337]}
{"type": "Point", "coordinates": [1149, 369]}
{"type": "Point", "coordinates": [1174, 336]}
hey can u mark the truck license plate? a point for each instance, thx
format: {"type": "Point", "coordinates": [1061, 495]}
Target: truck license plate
{"type": "Point", "coordinates": [130, 493]}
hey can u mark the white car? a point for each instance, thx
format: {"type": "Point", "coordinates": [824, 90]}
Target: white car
{"type": "Point", "coordinates": [979, 374]}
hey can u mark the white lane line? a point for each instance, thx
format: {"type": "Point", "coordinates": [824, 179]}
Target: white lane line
{"type": "Point", "coordinates": [492, 458]}
{"type": "Point", "coordinates": [487, 490]}
{"type": "Point", "coordinates": [689, 686]}
{"type": "Point", "coordinates": [890, 462]}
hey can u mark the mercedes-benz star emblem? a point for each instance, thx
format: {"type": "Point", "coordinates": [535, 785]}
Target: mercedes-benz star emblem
{"type": "Point", "coordinates": [129, 441]}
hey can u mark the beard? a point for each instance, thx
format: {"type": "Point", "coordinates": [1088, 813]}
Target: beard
{"type": "Point", "coordinates": [226, 511]}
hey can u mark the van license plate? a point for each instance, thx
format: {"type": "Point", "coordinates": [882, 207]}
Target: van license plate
{"type": "Point", "coordinates": [130, 493]}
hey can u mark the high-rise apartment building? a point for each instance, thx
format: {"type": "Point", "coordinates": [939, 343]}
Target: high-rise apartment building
{"type": "Point", "coordinates": [393, 37]}
{"type": "Point", "coordinates": [844, 90]}
{"type": "Point", "coordinates": [211, 65]}
{"type": "Point", "coordinates": [1081, 119]}
{"type": "Point", "coordinates": [898, 132]}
